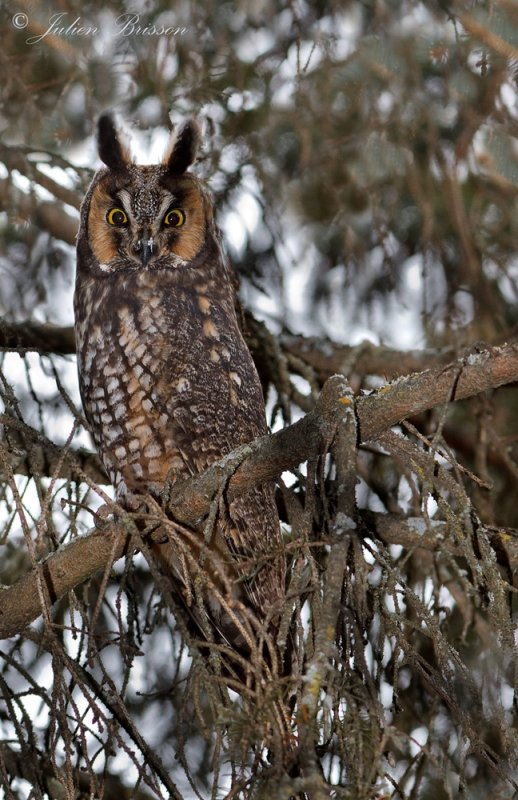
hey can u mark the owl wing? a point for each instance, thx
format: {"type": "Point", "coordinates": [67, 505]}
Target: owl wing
{"type": "Point", "coordinates": [249, 528]}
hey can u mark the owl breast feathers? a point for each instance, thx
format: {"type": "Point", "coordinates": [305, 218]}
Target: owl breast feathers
{"type": "Point", "coordinates": [167, 382]}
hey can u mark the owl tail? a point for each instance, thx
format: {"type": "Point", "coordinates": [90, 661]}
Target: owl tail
{"type": "Point", "coordinates": [240, 648]}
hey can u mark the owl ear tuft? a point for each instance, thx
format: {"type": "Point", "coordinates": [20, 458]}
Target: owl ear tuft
{"type": "Point", "coordinates": [113, 150]}
{"type": "Point", "coordinates": [183, 147]}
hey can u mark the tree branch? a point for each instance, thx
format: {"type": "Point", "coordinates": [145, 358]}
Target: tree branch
{"type": "Point", "coordinates": [49, 216]}
{"type": "Point", "coordinates": [330, 358]}
{"type": "Point", "coordinates": [324, 356]}
{"type": "Point", "coordinates": [42, 337]}
{"type": "Point", "coordinates": [268, 457]}
{"type": "Point", "coordinates": [43, 772]}
{"type": "Point", "coordinates": [486, 368]}
{"type": "Point", "coordinates": [16, 158]}
{"type": "Point", "coordinates": [57, 575]}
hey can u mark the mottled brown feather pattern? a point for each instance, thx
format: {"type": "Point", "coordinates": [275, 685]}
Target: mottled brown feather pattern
{"type": "Point", "coordinates": [167, 381]}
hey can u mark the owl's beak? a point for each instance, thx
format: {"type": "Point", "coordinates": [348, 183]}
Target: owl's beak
{"type": "Point", "coordinates": [145, 248]}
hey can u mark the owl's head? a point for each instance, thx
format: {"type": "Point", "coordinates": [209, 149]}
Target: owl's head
{"type": "Point", "coordinates": [144, 217]}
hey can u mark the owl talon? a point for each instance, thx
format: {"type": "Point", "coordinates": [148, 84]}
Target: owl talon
{"type": "Point", "coordinates": [103, 516]}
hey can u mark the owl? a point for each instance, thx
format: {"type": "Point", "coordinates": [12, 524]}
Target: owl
{"type": "Point", "coordinates": [167, 381]}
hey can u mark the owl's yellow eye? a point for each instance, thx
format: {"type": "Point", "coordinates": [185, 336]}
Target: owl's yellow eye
{"type": "Point", "coordinates": [175, 218]}
{"type": "Point", "coordinates": [116, 216]}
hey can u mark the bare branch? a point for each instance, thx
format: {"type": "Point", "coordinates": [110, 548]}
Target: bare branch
{"type": "Point", "coordinates": [330, 358]}
{"type": "Point", "coordinates": [325, 357]}
{"type": "Point", "coordinates": [30, 453]}
{"type": "Point", "coordinates": [413, 533]}
{"type": "Point", "coordinates": [487, 37]}
{"type": "Point", "coordinates": [487, 368]}
{"type": "Point", "coordinates": [268, 457]}
{"type": "Point", "coordinates": [58, 574]}
{"type": "Point", "coordinates": [42, 337]}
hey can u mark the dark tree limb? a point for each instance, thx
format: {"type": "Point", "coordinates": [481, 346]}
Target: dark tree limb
{"type": "Point", "coordinates": [413, 533]}
{"type": "Point", "coordinates": [58, 574]}
{"type": "Point", "coordinates": [329, 358]}
{"type": "Point", "coordinates": [268, 457]}
{"type": "Point", "coordinates": [39, 336]}
{"type": "Point", "coordinates": [325, 357]}
{"type": "Point", "coordinates": [43, 458]}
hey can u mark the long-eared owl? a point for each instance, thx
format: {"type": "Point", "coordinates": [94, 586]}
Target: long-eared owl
{"type": "Point", "coordinates": [167, 381]}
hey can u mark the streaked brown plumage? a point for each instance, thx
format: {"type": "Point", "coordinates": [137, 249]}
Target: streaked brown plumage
{"type": "Point", "coordinates": [167, 381]}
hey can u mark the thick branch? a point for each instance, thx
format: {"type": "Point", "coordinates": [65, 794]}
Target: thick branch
{"type": "Point", "coordinates": [38, 336]}
{"type": "Point", "coordinates": [268, 457]}
{"type": "Point", "coordinates": [70, 566]}
{"type": "Point", "coordinates": [477, 372]}
{"type": "Point", "coordinates": [264, 460]}
{"type": "Point", "coordinates": [330, 358]}
{"type": "Point", "coordinates": [325, 357]}
{"type": "Point", "coordinates": [28, 453]}
{"type": "Point", "coordinates": [415, 533]}
{"type": "Point", "coordinates": [57, 575]}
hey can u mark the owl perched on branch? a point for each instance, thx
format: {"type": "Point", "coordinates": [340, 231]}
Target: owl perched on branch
{"type": "Point", "coordinates": [168, 384]}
